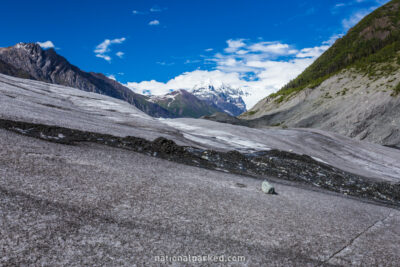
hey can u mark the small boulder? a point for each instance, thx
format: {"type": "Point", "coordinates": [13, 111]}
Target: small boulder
{"type": "Point", "coordinates": [267, 188]}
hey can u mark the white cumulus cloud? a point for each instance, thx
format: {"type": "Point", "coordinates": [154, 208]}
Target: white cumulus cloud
{"type": "Point", "coordinates": [274, 48]}
{"type": "Point", "coordinates": [234, 45]}
{"type": "Point", "coordinates": [102, 50]}
{"type": "Point", "coordinates": [154, 22]}
{"type": "Point", "coordinates": [47, 44]}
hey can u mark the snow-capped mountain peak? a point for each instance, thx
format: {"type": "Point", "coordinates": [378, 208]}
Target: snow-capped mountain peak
{"type": "Point", "coordinates": [224, 96]}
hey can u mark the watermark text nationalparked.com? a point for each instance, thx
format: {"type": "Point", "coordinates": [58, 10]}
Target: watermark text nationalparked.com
{"type": "Point", "coordinates": [199, 258]}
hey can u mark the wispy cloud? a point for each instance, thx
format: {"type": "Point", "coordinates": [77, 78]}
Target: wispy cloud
{"type": "Point", "coordinates": [47, 44]}
{"type": "Point", "coordinates": [163, 63]}
{"type": "Point", "coordinates": [208, 49]}
{"type": "Point", "coordinates": [137, 12]}
{"type": "Point", "coordinates": [192, 61]}
{"type": "Point", "coordinates": [154, 22]}
{"type": "Point", "coordinates": [156, 8]}
{"type": "Point", "coordinates": [120, 54]}
{"type": "Point", "coordinates": [332, 39]}
{"type": "Point", "coordinates": [105, 57]}
{"type": "Point", "coordinates": [103, 48]}
{"type": "Point", "coordinates": [347, 23]}
{"type": "Point", "coordinates": [153, 9]}
{"type": "Point", "coordinates": [357, 4]}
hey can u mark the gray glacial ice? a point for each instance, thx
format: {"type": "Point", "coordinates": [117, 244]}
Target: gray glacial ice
{"type": "Point", "coordinates": [39, 102]}
{"type": "Point", "coordinates": [91, 204]}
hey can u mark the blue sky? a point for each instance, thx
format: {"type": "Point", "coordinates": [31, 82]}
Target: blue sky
{"type": "Point", "coordinates": [154, 46]}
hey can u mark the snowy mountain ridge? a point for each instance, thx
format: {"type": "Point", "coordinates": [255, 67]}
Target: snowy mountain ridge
{"type": "Point", "coordinates": [224, 97]}
{"type": "Point", "coordinates": [181, 103]}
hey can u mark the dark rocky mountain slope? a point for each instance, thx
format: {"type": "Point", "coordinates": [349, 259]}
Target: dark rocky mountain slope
{"type": "Point", "coordinates": [29, 60]}
{"type": "Point", "coordinates": [8, 69]}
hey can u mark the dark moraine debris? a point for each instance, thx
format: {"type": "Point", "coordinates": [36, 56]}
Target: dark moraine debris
{"type": "Point", "coordinates": [280, 164]}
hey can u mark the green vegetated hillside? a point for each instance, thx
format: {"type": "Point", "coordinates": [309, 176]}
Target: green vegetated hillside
{"type": "Point", "coordinates": [370, 47]}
